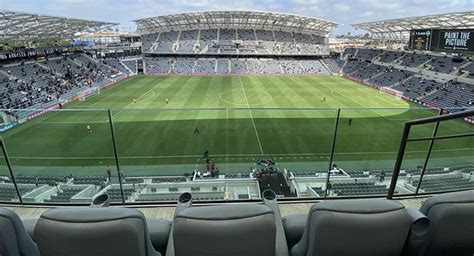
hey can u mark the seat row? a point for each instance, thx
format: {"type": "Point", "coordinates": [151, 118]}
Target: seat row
{"type": "Point", "coordinates": [444, 225]}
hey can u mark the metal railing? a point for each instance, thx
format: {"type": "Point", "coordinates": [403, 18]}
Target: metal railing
{"type": "Point", "coordinates": [405, 140]}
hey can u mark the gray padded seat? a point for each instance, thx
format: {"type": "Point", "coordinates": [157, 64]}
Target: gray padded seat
{"type": "Point", "coordinates": [159, 233]}
{"type": "Point", "coordinates": [93, 232]}
{"type": "Point", "coordinates": [14, 241]}
{"type": "Point", "coordinates": [294, 227]}
{"type": "Point", "coordinates": [231, 230]}
{"type": "Point", "coordinates": [452, 223]}
{"type": "Point", "coordinates": [355, 227]}
{"type": "Point", "coordinates": [29, 225]}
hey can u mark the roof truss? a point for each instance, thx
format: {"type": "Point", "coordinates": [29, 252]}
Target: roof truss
{"type": "Point", "coordinates": [235, 20]}
{"type": "Point", "coordinates": [20, 26]}
{"type": "Point", "coordinates": [400, 28]}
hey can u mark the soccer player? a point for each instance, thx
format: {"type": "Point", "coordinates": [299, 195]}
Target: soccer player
{"type": "Point", "coordinates": [324, 99]}
{"type": "Point", "coordinates": [109, 172]}
{"type": "Point", "coordinates": [350, 121]}
{"type": "Point", "coordinates": [134, 100]}
{"type": "Point", "coordinates": [166, 100]}
{"type": "Point", "coordinates": [88, 128]}
{"type": "Point", "coordinates": [196, 130]}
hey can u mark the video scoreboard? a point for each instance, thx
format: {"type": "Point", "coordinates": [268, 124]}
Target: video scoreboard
{"type": "Point", "coordinates": [420, 40]}
{"type": "Point", "coordinates": [442, 40]}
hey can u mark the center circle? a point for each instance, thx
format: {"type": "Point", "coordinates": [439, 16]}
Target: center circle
{"type": "Point", "coordinates": [241, 100]}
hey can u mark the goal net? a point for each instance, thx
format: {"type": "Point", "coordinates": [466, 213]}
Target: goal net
{"type": "Point", "coordinates": [398, 94]}
{"type": "Point", "coordinates": [89, 92]}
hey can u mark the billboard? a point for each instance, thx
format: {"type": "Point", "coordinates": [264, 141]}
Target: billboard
{"type": "Point", "coordinates": [420, 40]}
{"type": "Point", "coordinates": [454, 40]}
{"type": "Point", "coordinates": [442, 40]}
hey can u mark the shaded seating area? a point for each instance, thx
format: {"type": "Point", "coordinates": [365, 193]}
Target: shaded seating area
{"type": "Point", "coordinates": [359, 188]}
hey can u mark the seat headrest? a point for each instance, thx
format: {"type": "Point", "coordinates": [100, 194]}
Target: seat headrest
{"type": "Point", "coordinates": [225, 212]}
{"type": "Point", "coordinates": [230, 230]}
{"type": "Point", "coordinates": [358, 206]}
{"type": "Point", "coordinates": [93, 231]}
{"type": "Point", "coordinates": [455, 197]}
{"type": "Point", "coordinates": [91, 214]}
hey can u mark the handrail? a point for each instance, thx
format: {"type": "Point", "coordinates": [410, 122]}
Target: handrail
{"type": "Point", "coordinates": [405, 140]}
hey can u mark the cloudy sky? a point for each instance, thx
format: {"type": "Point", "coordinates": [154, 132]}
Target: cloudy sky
{"type": "Point", "coordinates": [342, 11]}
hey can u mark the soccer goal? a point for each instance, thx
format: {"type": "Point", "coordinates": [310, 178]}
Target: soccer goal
{"type": "Point", "coordinates": [89, 92]}
{"type": "Point", "coordinates": [398, 94]}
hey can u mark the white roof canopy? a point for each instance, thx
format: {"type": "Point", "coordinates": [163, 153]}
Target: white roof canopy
{"type": "Point", "coordinates": [235, 20]}
{"type": "Point", "coordinates": [20, 26]}
{"type": "Point", "coordinates": [399, 28]}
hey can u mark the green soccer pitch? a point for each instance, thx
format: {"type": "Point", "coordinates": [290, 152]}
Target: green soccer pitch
{"type": "Point", "coordinates": [238, 119]}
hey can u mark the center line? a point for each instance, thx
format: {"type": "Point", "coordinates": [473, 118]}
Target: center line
{"type": "Point", "coordinates": [251, 116]}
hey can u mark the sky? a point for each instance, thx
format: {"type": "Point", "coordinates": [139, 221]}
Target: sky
{"type": "Point", "coordinates": [345, 12]}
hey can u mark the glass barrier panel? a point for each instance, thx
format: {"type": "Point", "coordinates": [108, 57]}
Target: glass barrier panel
{"type": "Point", "coordinates": [223, 152]}
{"type": "Point", "coordinates": [8, 192]}
{"type": "Point", "coordinates": [451, 163]}
{"type": "Point", "coordinates": [296, 143]}
{"type": "Point", "coordinates": [162, 151]}
{"type": "Point", "coordinates": [366, 149]}
{"type": "Point", "coordinates": [63, 156]}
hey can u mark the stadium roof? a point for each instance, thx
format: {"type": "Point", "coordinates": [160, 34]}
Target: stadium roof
{"type": "Point", "coordinates": [235, 19]}
{"type": "Point", "coordinates": [399, 28]}
{"type": "Point", "coordinates": [21, 26]}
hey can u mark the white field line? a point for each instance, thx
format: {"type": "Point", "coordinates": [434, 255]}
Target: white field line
{"type": "Point", "coordinates": [234, 155]}
{"type": "Point", "coordinates": [251, 116]}
{"type": "Point", "coordinates": [131, 103]}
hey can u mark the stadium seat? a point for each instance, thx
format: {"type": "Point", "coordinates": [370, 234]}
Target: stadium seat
{"type": "Point", "coordinates": [230, 230]}
{"type": "Point", "coordinates": [356, 227]}
{"type": "Point", "coordinates": [294, 227]}
{"type": "Point", "coordinates": [14, 241]}
{"type": "Point", "coordinates": [159, 233]}
{"type": "Point", "coordinates": [93, 231]}
{"type": "Point", "coordinates": [452, 219]}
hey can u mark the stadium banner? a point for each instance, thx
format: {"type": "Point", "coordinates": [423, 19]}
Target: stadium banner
{"type": "Point", "coordinates": [442, 40]}
{"type": "Point", "coordinates": [42, 112]}
{"type": "Point", "coordinates": [31, 53]}
{"type": "Point", "coordinates": [454, 40]}
{"type": "Point", "coordinates": [420, 40]}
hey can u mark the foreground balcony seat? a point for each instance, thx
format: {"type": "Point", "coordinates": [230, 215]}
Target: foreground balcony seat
{"type": "Point", "coordinates": [357, 227]}
{"type": "Point", "coordinates": [14, 240]}
{"type": "Point", "coordinates": [452, 223]}
{"type": "Point", "coordinates": [231, 230]}
{"type": "Point", "coordinates": [93, 232]}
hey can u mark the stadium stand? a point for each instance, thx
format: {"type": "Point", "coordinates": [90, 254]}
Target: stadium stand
{"type": "Point", "coordinates": [166, 42]}
{"type": "Point", "coordinates": [334, 64]}
{"type": "Point", "coordinates": [64, 194]}
{"type": "Point", "coordinates": [117, 65]}
{"type": "Point", "coordinates": [413, 59]}
{"type": "Point", "coordinates": [130, 64]}
{"type": "Point", "coordinates": [205, 66]}
{"type": "Point", "coordinates": [187, 41]}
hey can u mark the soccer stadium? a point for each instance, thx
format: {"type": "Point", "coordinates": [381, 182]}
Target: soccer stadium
{"type": "Point", "coordinates": [236, 132]}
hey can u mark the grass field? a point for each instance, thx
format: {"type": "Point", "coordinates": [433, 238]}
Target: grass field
{"type": "Point", "coordinates": [240, 119]}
